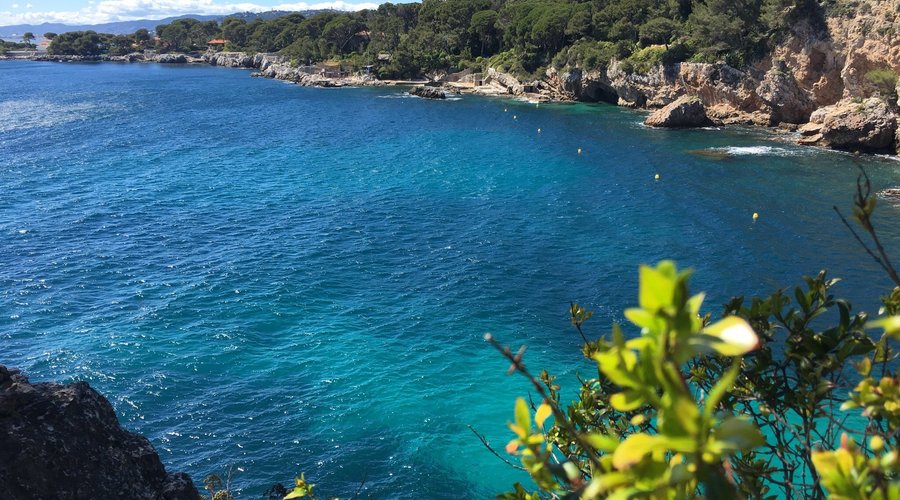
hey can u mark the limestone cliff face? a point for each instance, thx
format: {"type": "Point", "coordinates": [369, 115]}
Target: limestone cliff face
{"type": "Point", "coordinates": [64, 441]}
{"type": "Point", "coordinates": [815, 66]}
{"type": "Point", "coordinates": [866, 125]}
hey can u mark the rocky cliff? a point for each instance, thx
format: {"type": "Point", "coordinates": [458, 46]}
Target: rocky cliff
{"type": "Point", "coordinates": [64, 441]}
{"type": "Point", "coordinates": [280, 68]}
{"type": "Point", "coordinates": [817, 66]}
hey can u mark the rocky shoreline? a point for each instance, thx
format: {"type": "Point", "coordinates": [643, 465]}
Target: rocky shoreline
{"type": "Point", "coordinates": [814, 83]}
{"type": "Point", "coordinates": [64, 441]}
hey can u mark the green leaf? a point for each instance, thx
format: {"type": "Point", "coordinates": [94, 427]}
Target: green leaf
{"type": "Point", "coordinates": [542, 413]}
{"type": "Point", "coordinates": [891, 325]}
{"type": "Point", "coordinates": [626, 400]}
{"type": "Point", "coordinates": [523, 416]}
{"type": "Point", "coordinates": [695, 302]}
{"type": "Point", "coordinates": [617, 364]}
{"type": "Point", "coordinates": [656, 289]}
{"type": "Point", "coordinates": [641, 317]}
{"type": "Point", "coordinates": [633, 450]}
{"type": "Point", "coordinates": [681, 417]}
{"type": "Point", "coordinates": [602, 442]}
{"type": "Point", "coordinates": [720, 389]}
{"type": "Point", "coordinates": [735, 434]}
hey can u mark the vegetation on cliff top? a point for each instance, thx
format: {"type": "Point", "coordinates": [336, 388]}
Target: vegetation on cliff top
{"type": "Point", "coordinates": [522, 36]}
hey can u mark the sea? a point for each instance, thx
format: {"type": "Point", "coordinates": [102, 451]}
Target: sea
{"type": "Point", "coordinates": [267, 280]}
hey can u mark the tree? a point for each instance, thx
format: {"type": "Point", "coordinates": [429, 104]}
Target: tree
{"type": "Point", "coordinates": [235, 31]}
{"type": "Point", "coordinates": [726, 29]}
{"type": "Point", "coordinates": [142, 38]}
{"type": "Point", "coordinates": [658, 30]}
{"type": "Point", "coordinates": [28, 37]}
{"type": "Point", "coordinates": [484, 27]}
{"type": "Point", "coordinates": [50, 35]}
{"type": "Point", "coordinates": [81, 43]}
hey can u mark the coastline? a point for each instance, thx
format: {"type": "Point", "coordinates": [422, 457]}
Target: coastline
{"type": "Point", "coordinates": [722, 95]}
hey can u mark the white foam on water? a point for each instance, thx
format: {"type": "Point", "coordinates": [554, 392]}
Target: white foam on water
{"type": "Point", "coordinates": [758, 151]}
{"type": "Point", "coordinates": [399, 95]}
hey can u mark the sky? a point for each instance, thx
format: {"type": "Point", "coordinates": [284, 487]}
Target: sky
{"type": "Point", "coordinates": [105, 11]}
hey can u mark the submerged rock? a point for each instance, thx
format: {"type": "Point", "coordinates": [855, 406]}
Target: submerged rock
{"type": "Point", "coordinates": [428, 92]}
{"type": "Point", "coordinates": [857, 125]}
{"type": "Point", "coordinates": [64, 441]}
{"type": "Point", "coordinates": [686, 111]}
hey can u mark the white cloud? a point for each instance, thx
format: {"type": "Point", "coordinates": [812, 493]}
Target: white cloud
{"type": "Point", "coordinates": [104, 11]}
{"type": "Point", "coordinates": [28, 6]}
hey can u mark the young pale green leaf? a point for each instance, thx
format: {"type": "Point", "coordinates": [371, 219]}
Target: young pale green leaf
{"type": "Point", "coordinates": [655, 289]}
{"type": "Point", "coordinates": [522, 433]}
{"type": "Point", "coordinates": [891, 325]}
{"type": "Point", "coordinates": [720, 389]}
{"type": "Point", "coordinates": [644, 319]}
{"type": "Point", "coordinates": [542, 413]}
{"type": "Point", "coordinates": [640, 343]}
{"type": "Point", "coordinates": [731, 336]}
{"type": "Point", "coordinates": [735, 434]}
{"type": "Point", "coordinates": [301, 488]}
{"type": "Point", "coordinates": [602, 442]}
{"type": "Point", "coordinates": [627, 400]}
{"type": "Point", "coordinates": [617, 364]}
{"type": "Point", "coordinates": [296, 493]}
{"type": "Point", "coordinates": [573, 473]}
{"type": "Point", "coordinates": [634, 448]}
{"type": "Point", "coordinates": [681, 417]}
{"type": "Point", "coordinates": [523, 416]}
{"type": "Point", "coordinates": [695, 302]}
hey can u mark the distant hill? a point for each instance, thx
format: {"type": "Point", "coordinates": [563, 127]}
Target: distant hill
{"type": "Point", "coordinates": [126, 27]}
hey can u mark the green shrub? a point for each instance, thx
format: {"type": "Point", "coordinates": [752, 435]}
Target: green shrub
{"type": "Point", "coordinates": [746, 406]}
{"type": "Point", "coordinates": [586, 54]}
{"type": "Point", "coordinates": [885, 82]}
{"type": "Point", "coordinates": [645, 59]}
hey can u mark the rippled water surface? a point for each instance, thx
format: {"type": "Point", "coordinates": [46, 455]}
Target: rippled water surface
{"type": "Point", "coordinates": [285, 279]}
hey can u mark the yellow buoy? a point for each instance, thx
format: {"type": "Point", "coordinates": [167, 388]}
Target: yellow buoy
{"type": "Point", "coordinates": [755, 216]}
{"type": "Point", "coordinates": [579, 150]}
{"type": "Point", "coordinates": [656, 177]}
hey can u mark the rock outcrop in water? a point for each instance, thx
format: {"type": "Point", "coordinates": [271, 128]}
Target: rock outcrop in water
{"type": "Point", "coordinates": [280, 68]}
{"type": "Point", "coordinates": [686, 111]}
{"type": "Point", "coordinates": [64, 441]}
{"type": "Point", "coordinates": [428, 92]}
{"type": "Point", "coordinates": [857, 125]}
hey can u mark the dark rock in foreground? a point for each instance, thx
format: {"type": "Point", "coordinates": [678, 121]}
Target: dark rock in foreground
{"type": "Point", "coordinates": [428, 92]}
{"type": "Point", "coordinates": [686, 111]}
{"type": "Point", "coordinates": [64, 441]}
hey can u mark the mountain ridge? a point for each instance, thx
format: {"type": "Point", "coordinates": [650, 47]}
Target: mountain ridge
{"type": "Point", "coordinates": [127, 27]}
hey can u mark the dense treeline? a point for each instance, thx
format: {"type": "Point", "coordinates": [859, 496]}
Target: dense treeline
{"type": "Point", "coordinates": [91, 43]}
{"type": "Point", "coordinates": [5, 46]}
{"type": "Point", "coordinates": [521, 36]}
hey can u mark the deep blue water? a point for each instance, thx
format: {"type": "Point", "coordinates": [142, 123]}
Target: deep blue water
{"type": "Point", "coordinates": [285, 279]}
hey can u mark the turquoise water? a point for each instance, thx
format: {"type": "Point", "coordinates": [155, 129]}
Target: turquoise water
{"type": "Point", "coordinates": [282, 279]}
